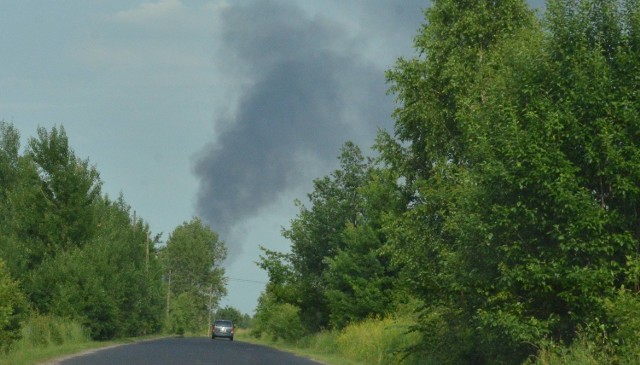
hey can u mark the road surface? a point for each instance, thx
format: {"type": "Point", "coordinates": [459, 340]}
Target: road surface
{"type": "Point", "coordinates": [188, 351]}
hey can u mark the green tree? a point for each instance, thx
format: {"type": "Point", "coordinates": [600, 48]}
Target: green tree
{"type": "Point", "coordinates": [360, 279]}
{"type": "Point", "coordinates": [9, 155]}
{"type": "Point", "coordinates": [316, 234]}
{"type": "Point", "coordinates": [192, 260]}
{"type": "Point", "coordinates": [339, 269]}
{"type": "Point", "coordinates": [559, 154]}
{"type": "Point", "coordinates": [240, 320]}
{"type": "Point", "coordinates": [438, 240]}
{"type": "Point", "coordinates": [51, 209]}
{"type": "Point", "coordinates": [9, 182]}
{"type": "Point", "coordinates": [187, 314]}
{"type": "Point", "coordinates": [124, 255]}
{"type": "Point", "coordinates": [520, 150]}
{"type": "Point", "coordinates": [69, 186]}
{"type": "Point", "coordinates": [109, 284]}
{"type": "Point", "coordinates": [76, 254]}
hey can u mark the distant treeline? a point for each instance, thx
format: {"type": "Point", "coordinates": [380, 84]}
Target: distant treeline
{"type": "Point", "coordinates": [505, 204]}
{"type": "Point", "coordinates": [68, 251]}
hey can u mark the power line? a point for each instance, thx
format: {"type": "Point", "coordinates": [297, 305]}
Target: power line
{"type": "Point", "coordinates": [247, 280]}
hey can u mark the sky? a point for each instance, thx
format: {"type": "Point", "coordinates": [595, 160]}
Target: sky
{"type": "Point", "coordinates": [224, 110]}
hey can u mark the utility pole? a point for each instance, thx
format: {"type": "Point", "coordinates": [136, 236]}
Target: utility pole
{"type": "Point", "coordinates": [169, 293]}
{"type": "Point", "coordinates": [147, 261]}
{"type": "Point", "coordinates": [210, 309]}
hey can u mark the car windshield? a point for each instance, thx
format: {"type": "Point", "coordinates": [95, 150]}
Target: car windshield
{"type": "Point", "coordinates": [224, 324]}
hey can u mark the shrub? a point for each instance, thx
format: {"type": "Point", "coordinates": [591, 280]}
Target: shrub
{"type": "Point", "coordinates": [13, 309]}
{"type": "Point", "coordinates": [624, 314]}
{"type": "Point", "coordinates": [279, 321]}
{"type": "Point", "coordinates": [285, 322]}
{"type": "Point", "coordinates": [185, 315]}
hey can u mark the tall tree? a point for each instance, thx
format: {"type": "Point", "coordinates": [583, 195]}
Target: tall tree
{"type": "Point", "coordinates": [560, 157]}
{"type": "Point", "coordinates": [52, 207]}
{"type": "Point", "coordinates": [9, 182]}
{"type": "Point", "coordinates": [360, 279]}
{"type": "Point", "coordinates": [9, 154]}
{"type": "Point", "coordinates": [192, 258]}
{"type": "Point", "coordinates": [316, 232]}
{"type": "Point", "coordinates": [433, 151]}
{"type": "Point", "coordinates": [522, 156]}
{"type": "Point", "coordinates": [68, 185]}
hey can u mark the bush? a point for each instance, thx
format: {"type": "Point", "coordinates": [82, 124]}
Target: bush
{"type": "Point", "coordinates": [615, 343]}
{"type": "Point", "coordinates": [624, 313]}
{"type": "Point", "coordinates": [581, 352]}
{"type": "Point", "coordinates": [184, 316]}
{"type": "Point", "coordinates": [13, 309]}
{"type": "Point", "coordinates": [279, 321]}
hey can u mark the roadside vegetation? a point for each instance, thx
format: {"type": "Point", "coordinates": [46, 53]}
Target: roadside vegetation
{"type": "Point", "coordinates": [78, 267]}
{"type": "Point", "coordinates": [46, 337]}
{"type": "Point", "coordinates": [503, 206]}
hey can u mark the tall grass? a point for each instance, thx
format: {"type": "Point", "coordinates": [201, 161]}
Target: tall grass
{"type": "Point", "coordinates": [375, 341]}
{"type": "Point", "coordinates": [378, 341]}
{"type": "Point", "coordinates": [44, 337]}
{"type": "Point", "coordinates": [584, 352]}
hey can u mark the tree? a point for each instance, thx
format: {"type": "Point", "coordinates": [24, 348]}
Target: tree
{"type": "Point", "coordinates": [9, 154]}
{"type": "Point", "coordinates": [520, 151]}
{"type": "Point", "coordinates": [338, 269]}
{"type": "Point", "coordinates": [361, 281]}
{"type": "Point", "coordinates": [69, 187]}
{"type": "Point", "coordinates": [109, 284]}
{"type": "Point", "coordinates": [76, 254]}
{"type": "Point", "coordinates": [192, 259]}
{"type": "Point", "coordinates": [277, 319]}
{"type": "Point", "coordinates": [316, 234]}
{"type": "Point", "coordinates": [558, 163]}
{"type": "Point", "coordinates": [240, 320]}
{"type": "Point", "coordinates": [51, 210]}
{"type": "Point", "coordinates": [187, 314]}
{"type": "Point", "coordinates": [9, 182]}
{"type": "Point", "coordinates": [437, 239]}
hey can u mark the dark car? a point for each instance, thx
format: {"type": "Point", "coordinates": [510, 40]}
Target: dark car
{"type": "Point", "coordinates": [222, 328]}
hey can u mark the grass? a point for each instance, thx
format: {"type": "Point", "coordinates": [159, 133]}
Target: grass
{"type": "Point", "coordinates": [45, 338]}
{"type": "Point", "coordinates": [313, 352]}
{"type": "Point", "coordinates": [583, 352]}
{"type": "Point", "coordinates": [373, 341]}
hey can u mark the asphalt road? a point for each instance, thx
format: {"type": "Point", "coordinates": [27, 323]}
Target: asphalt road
{"type": "Point", "coordinates": [188, 351]}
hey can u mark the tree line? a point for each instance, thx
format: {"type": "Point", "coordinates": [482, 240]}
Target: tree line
{"type": "Point", "coordinates": [67, 250]}
{"type": "Point", "coordinates": [504, 204]}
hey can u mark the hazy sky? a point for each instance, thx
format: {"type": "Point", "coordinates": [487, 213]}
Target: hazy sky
{"type": "Point", "coordinates": [220, 109]}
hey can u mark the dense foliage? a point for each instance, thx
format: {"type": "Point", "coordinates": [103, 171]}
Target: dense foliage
{"type": "Point", "coordinates": [339, 270]}
{"type": "Point", "coordinates": [506, 198]}
{"type": "Point", "coordinates": [68, 251]}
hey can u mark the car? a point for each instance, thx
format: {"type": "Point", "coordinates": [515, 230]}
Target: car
{"type": "Point", "coordinates": [222, 328]}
